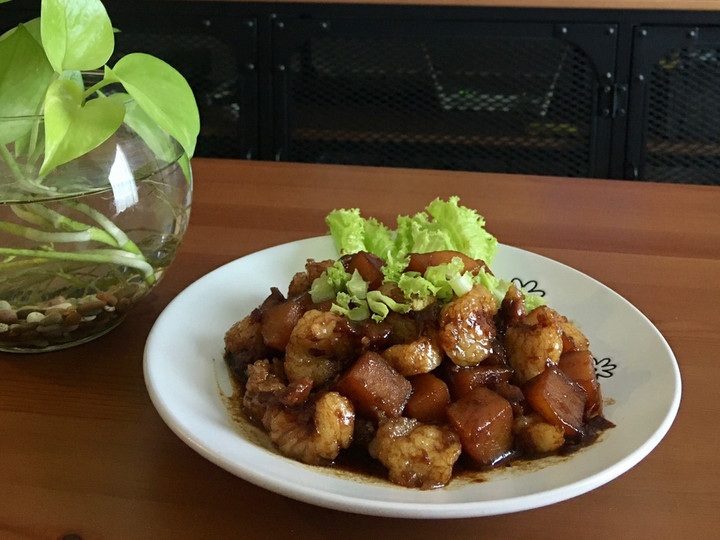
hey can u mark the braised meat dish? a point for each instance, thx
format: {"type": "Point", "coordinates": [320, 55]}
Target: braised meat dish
{"type": "Point", "coordinates": [471, 379]}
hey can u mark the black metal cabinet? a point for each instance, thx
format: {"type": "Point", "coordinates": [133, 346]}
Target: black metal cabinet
{"type": "Point", "coordinates": [574, 92]}
{"type": "Point", "coordinates": [674, 124]}
{"type": "Point", "coordinates": [515, 97]}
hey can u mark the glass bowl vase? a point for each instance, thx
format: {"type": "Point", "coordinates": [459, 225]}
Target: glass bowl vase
{"type": "Point", "coordinates": [81, 245]}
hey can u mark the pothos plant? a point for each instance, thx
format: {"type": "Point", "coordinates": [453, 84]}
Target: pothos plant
{"type": "Point", "coordinates": [42, 63]}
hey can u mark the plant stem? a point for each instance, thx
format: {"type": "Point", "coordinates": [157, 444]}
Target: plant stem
{"type": "Point", "coordinates": [41, 215]}
{"type": "Point", "coordinates": [120, 237]}
{"type": "Point", "coordinates": [10, 263]}
{"type": "Point", "coordinates": [54, 237]}
{"type": "Point", "coordinates": [35, 149]}
{"type": "Point", "coordinates": [8, 158]}
{"type": "Point", "coordinates": [34, 186]}
{"type": "Point", "coordinates": [110, 256]}
{"type": "Point", "coordinates": [95, 87]}
{"type": "Point", "coordinates": [35, 218]}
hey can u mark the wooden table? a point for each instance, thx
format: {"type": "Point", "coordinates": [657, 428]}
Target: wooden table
{"type": "Point", "coordinates": [83, 452]}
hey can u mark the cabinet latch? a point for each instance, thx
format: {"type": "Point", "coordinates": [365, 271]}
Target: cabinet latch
{"type": "Point", "coordinates": [613, 100]}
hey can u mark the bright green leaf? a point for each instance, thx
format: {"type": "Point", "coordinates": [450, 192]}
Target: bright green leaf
{"type": "Point", "coordinates": [184, 162]}
{"type": "Point", "coordinates": [352, 233]}
{"type": "Point", "coordinates": [381, 304]}
{"type": "Point", "coordinates": [163, 93]}
{"type": "Point", "coordinates": [149, 131]}
{"type": "Point", "coordinates": [322, 290]}
{"type": "Point", "coordinates": [24, 75]}
{"type": "Point", "coordinates": [352, 308]}
{"type": "Point", "coordinates": [71, 129]}
{"type": "Point", "coordinates": [76, 34]}
{"type": "Point", "coordinates": [33, 26]}
{"type": "Point", "coordinates": [75, 76]}
{"type": "Point", "coordinates": [33, 137]}
{"type": "Point", "coordinates": [155, 137]}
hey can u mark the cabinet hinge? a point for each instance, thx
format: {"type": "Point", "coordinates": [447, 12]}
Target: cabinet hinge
{"type": "Point", "coordinates": [613, 100]}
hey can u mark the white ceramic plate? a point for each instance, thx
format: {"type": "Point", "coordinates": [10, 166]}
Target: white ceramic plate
{"type": "Point", "coordinates": [184, 371]}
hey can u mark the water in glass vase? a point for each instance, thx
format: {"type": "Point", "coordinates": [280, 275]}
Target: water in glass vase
{"type": "Point", "coordinates": [72, 266]}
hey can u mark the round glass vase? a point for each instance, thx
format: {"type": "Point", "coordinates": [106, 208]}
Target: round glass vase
{"type": "Point", "coordinates": [81, 245]}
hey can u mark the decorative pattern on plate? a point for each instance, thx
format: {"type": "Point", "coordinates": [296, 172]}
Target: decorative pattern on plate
{"type": "Point", "coordinates": [604, 367]}
{"type": "Point", "coordinates": [529, 286]}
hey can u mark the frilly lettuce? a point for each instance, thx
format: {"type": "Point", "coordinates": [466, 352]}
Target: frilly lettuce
{"type": "Point", "coordinates": [446, 225]}
{"type": "Point", "coordinates": [352, 297]}
{"type": "Point", "coordinates": [443, 225]}
{"type": "Point", "coordinates": [352, 233]}
{"type": "Point", "coordinates": [446, 281]}
{"type": "Point", "coordinates": [332, 281]}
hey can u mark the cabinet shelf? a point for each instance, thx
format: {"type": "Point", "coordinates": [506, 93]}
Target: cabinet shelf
{"type": "Point", "coordinates": [687, 149]}
{"type": "Point", "coordinates": [346, 124]}
{"type": "Point", "coordinates": [489, 141]}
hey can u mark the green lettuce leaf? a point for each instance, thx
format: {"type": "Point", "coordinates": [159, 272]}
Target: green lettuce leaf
{"type": "Point", "coordinates": [464, 228]}
{"type": "Point", "coordinates": [418, 291]}
{"type": "Point", "coordinates": [381, 305]}
{"type": "Point", "coordinates": [351, 297]}
{"type": "Point", "coordinates": [532, 301]}
{"type": "Point", "coordinates": [450, 279]}
{"type": "Point", "coordinates": [354, 310]}
{"type": "Point", "coordinates": [330, 282]}
{"type": "Point", "coordinates": [353, 233]}
{"type": "Point", "coordinates": [418, 234]}
{"type": "Point", "coordinates": [443, 225]}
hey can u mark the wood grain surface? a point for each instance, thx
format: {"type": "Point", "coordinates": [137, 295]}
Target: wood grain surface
{"type": "Point", "coordinates": [83, 452]}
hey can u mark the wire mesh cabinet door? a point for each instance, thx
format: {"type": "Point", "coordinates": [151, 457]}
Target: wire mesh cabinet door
{"type": "Point", "coordinates": [674, 117]}
{"type": "Point", "coordinates": [463, 95]}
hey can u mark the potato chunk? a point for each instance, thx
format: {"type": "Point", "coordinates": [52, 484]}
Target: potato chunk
{"type": "Point", "coordinates": [580, 367]}
{"type": "Point", "coordinates": [374, 387]}
{"type": "Point", "coordinates": [462, 380]}
{"type": "Point", "coordinates": [278, 322]}
{"type": "Point", "coordinates": [369, 267]}
{"type": "Point", "coordinates": [420, 262]}
{"type": "Point", "coordinates": [429, 399]}
{"type": "Point", "coordinates": [484, 421]}
{"type": "Point", "coordinates": [559, 400]}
